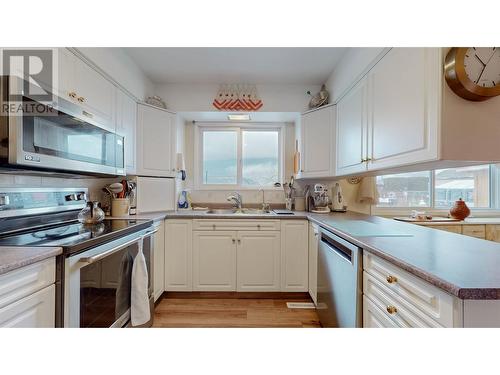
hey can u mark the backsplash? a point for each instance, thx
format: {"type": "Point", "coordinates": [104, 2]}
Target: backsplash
{"type": "Point", "coordinates": [93, 184]}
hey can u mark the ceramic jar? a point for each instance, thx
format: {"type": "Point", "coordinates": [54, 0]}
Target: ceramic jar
{"type": "Point", "coordinates": [459, 210]}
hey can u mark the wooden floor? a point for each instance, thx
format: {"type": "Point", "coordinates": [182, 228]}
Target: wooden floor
{"type": "Point", "coordinates": [221, 310]}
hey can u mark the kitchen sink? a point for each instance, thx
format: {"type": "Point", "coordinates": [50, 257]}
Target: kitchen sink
{"type": "Point", "coordinates": [243, 211]}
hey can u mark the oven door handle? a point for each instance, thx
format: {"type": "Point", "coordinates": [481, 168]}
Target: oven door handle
{"type": "Point", "coordinates": [95, 258]}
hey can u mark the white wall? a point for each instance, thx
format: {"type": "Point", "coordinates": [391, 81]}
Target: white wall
{"type": "Point", "coordinates": [353, 65]}
{"type": "Point", "coordinates": [120, 66]}
{"type": "Point", "coordinates": [199, 97]}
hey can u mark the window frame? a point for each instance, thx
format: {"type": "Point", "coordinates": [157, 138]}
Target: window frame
{"type": "Point", "coordinates": [237, 127]}
{"type": "Point", "coordinates": [492, 210]}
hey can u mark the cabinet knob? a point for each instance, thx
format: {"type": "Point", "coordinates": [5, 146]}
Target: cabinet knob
{"type": "Point", "coordinates": [258, 226]}
{"type": "Point", "coordinates": [239, 240]}
{"type": "Point", "coordinates": [234, 240]}
{"type": "Point", "coordinates": [391, 279]}
{"type": "Point", "coordinates": [213, 226]}
{"type": "Point", "coordinates": [72, 94]}
{"type": "Point", "coordinates": [392, 309]}
{"type": "Point", "coordinates": [81, 99]}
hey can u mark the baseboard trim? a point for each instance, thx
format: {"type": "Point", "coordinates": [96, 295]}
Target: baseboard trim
{"type": "Point", "coordinates": [237, 295]}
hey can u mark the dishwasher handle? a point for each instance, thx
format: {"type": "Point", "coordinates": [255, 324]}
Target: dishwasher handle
{"type": "Point", "coordinates": [347, 251]}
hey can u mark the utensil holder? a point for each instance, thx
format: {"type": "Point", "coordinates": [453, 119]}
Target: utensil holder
{"type": "Point", "coordinates": [120, 206]}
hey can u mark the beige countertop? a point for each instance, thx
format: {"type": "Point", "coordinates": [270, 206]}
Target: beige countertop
{"type": "Point", "coordinates": [13, 257]}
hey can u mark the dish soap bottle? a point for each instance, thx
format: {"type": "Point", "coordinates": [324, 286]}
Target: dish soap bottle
{"type": "Point", "coordinates": [183, 202]}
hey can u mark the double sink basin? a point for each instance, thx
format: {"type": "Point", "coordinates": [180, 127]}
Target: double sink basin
{"type": "Point", "coordinates": [242, 211]}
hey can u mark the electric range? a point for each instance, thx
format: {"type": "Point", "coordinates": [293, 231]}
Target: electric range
{"type": "Point", "coordinates": [94, 274]}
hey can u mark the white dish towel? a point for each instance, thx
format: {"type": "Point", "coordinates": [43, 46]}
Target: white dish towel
{"type": "Point", "coordinates": [139, 313]}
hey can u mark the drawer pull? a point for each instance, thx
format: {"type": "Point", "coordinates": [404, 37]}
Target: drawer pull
{"type": "Point", "coordinates": [258, 226]}
{"type": "Point", "coordinates": [392, 309]}
{"type": "Point", "coordinates": [391, 279]}
{"type": "Point", "coordinates": [213, 226]}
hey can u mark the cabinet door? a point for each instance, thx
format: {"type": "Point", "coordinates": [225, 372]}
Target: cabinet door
{"type": "Point", "coordinates": [126, 113]}
{"type": "Point", "coordinates": [178, 255]}
{"type": "Point", "coordinates": [214, 260]}
{"type": "Point", "coordinates": [318, 142]}
{"type": "Point", "coordinates": [159, 261]}
{"type": "Point", "coordinates": [258, 261]}
{"type": "Point", "coordinates": [404, 91]}
{"type": "Point", "coordinates": [95, 93]}
{"type": "Point", "coordinates": [313, 260]}
{"type": "Point", "coordinates": [34, 311]}
{"type": "Point", "coordinates": [493, 232]}
{"type": "Point", "coordinates": [155, 140]}
{"type": "Point", "coordinates": [294, 256]}
{"type": "Point", "coordinates": [67, 73]}
{"type": "Point", "coordinates": [352, 130]}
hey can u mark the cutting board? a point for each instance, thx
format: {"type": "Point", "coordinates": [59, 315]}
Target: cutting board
{"type": "Point", "coordinates": [436, 219]}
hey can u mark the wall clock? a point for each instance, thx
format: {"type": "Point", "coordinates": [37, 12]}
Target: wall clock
{"type": "Point", "coordinates": [473, 72]}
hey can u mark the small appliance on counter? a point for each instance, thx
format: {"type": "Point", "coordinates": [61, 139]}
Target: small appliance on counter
{"type": "Point", "coordinates": [338, 199]}
{"type": "Point", "coordinates": [91, 214]}
{"type": "Point", "coordinates": [319, 200]}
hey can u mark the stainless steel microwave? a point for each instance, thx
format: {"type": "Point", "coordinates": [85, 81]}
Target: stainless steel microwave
{"type": "Point", "coordinates": [60, 137]}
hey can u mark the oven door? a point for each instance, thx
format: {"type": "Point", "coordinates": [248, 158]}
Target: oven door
{"type": "Point", "coordinates": [98, 283]}
{"type": "Point", "coordinates": [65, 138]}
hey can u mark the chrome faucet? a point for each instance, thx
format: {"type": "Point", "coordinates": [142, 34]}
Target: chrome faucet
{"type": "Point", "coordinates": [236, 197]}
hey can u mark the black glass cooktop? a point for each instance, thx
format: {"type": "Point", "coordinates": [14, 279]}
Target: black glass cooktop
{"type": "Point", "coordinates": [75, 237]}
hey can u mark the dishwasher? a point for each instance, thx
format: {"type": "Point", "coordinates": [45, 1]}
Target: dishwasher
{"type": "Point", "coordinates": [339, 282]}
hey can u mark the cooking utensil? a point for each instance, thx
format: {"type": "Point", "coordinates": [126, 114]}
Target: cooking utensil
{"type": "Point", "coordinates": [115, 188]}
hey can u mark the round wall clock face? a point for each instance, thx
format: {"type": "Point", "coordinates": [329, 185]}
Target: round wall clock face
{"type": "Point", "coordinates": [474, 72]}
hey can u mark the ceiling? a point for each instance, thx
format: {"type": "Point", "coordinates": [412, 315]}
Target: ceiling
{"type": "Point", "coordinates": [237, 65]}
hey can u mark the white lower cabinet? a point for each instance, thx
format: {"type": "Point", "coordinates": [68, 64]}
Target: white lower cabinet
{"type": "Point", "coordinates": [405, 299]}
{"type": "Point", "coordinates": [294, 256]}
{"type": "Point", "coordinates": [236, 255]}
{"type": "Point", "coordinates": [35, 311]}
{"type": "Point", "coordinates": [159, 261]}
{"type": "Point", "coordinates": [313, 261]}
{"type": "Point", "coordinates": [258, 261]}
{"type": "Point", "coordinates": [27, 296]}
{"type": "Point", "coordinates": [214, 260]}
{"type": "Point", "coordinates": [373, 317]}
{"type": "Point", "coordinates": [178, 255]}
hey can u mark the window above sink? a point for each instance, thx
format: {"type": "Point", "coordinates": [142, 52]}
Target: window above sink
{"type": "Point", "coordinates": [238, 156]}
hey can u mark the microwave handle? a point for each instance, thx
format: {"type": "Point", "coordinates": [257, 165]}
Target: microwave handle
{"type": "Point", "coordinates": [95, 258]}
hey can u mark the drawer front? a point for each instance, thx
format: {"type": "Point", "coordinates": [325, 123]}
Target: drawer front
{"type": "Point", "coordinates": [208, 224]}
{"type": "Point", "coordinates": [373, 317]}
{"type": "Point", "coordinates": [447, 228]}
{"type": "Point", "coordinates": [429, 299]}
{"type": "Point", "coordinates": [27, 280]}
{"type": "Point", "coordinates": [478, 231]}
{"type": "Point", "coordinates": [394, 307]}
{"type": "Point", "coordinates": [35, 311]}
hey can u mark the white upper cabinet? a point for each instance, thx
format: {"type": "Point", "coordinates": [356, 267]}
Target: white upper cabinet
{"type": "Point", "coordinates": [404, 95]}
{"type": "Point", "coordinates": [81, 84]}
{"type": "Point", "coordinates": [352, 130]}
{"type": "Point", "coordinates": [155, 142]}
{"type": "Point", "coordinates": [390, 118]}
{"type": "Point", "coordinates": [317, 134]}
{"type": "Point", "coordinates": [126, 122]}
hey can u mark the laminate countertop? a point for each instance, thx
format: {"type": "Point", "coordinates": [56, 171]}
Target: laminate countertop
{"type": "Point", "coordinates": [13, 257]}
{"type": "Point", "coordinates": [464, 266]}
